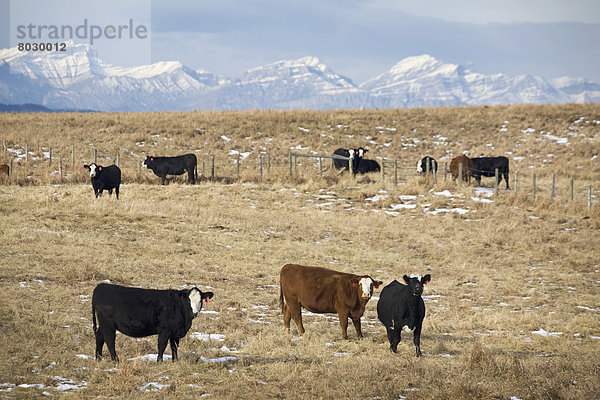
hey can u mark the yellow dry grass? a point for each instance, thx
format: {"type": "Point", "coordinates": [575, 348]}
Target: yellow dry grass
{"type": "Point", "coordinates": [512, 308]}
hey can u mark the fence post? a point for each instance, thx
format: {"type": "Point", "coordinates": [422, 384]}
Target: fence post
{"type": "Point", "coordinates": [516, 179]}
{"type": "Point", "coordinates": [26, 152]}
{"type": "Point", "coordinates": [460, 173]}
{"type": "Point", "coordinates": [395, 172]}
{"type": "Point", "coordinates": [296, 165]}
{"type": "Point", "coordinates": [382, 170]}
{"type": "Point", "coordinates": [445, 170]}
{"type": "Point", "coordinates": [10, 168]}
{"type": "Point", "coordinates": [496, 182]}
{"type": "Point", "coordinates": [290, 164]}
{"type": "Point", "coordinates": [203, 169]}
{"type": "Point", "coordinates": [139, 167]}
{"type": "Point", "coordinates": [268, 163]}
{"type": "Point", "coordinates": [350, 165]}
{"type": "Point", "coordinates": [553, 186]}
{"type": "Point", "coordinates": [534, 188]}
{"type": "Point", "coordinates": [212, 168]}
{"type": "Point", "coordinates": [50, 157]}
{"type": "Point", "coordinates": [571, 190]}
{"type": "Point", "coordinates": [260, 168]}
{"type": "Point", "coordinates": [119, 159]}
{"type": "Point", "coordinates": [589, 196]}
{"type": "Point", "coordinates": [60, 171]}
{"type": "Point", "coordinates": [321, 167]}
{"type": "Point", "coordinates": [95, 156]}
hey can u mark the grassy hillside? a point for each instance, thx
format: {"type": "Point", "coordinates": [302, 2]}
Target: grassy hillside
{"type": "Point", "coordinates": [512, 308]}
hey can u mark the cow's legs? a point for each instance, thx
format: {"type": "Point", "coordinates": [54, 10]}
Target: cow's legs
{"type": "Point", "coordinates": [296, 313]}
{"type": "Point", "coordinates": [174, 343]}
{"type": "Point", "coordinates": [109, 336]}
{"type": "Point", "coordinates": [287, 316]}
{"type": "Point", "coordinates": [163, 338]}
{"type": "Point", "coordinates": [99, 342]}
{"type": "Point", "coordinates": [117, 192]}
{"type": "Point", "coordinates": [344, 324]}
{"type": "Point", "coordinates": [394, 337]}
{"type": "Point", "coordinates": [356, 323]}
{"type": "Point", "coordinates": [506, 179]}
{"type": "Point", "coordinates": [417, 339]}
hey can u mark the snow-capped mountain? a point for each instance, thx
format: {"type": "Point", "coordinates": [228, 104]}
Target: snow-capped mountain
{"type": "Point", "coordinates": [79, 79]}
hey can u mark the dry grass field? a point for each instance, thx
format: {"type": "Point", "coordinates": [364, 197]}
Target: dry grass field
{"type": "Point", "coordinates": [513, 308]}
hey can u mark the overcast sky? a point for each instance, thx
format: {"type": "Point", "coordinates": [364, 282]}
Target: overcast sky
{"type": "Point", "coordinates": [363, 38]}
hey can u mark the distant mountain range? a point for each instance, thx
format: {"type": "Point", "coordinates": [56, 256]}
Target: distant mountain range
{"type": "Point", "coordinates": [78, 79]}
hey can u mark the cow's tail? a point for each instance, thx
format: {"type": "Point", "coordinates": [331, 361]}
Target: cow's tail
{"type": "Point", "coordinates": [281, 300]}
{"type": "Point", "coordinates": [94, 318]}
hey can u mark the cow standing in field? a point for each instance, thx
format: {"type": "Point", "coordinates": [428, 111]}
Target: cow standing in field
{"type": "Point", "coordinates": [104, 178]}
{"type": "Point", "coordinates": [322, 290]}
{"type": "Point", "coordinates": [467, 167]}
{"type": "Point", "coordinates": [427, 164]}
{"type": "Point", "coordinates": [178, 165]}
{"type": "Point", "coordinates": [487, 166]}
{"type": "Point", "coordinates": [402, 305]}
{"type": "Point", "coordinates": [138, 312]}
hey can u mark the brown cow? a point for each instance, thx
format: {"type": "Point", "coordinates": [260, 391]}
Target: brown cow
{"type": "Point", "coordinates": [467, 164]}
{"type": "Point", "coordinates": [322, 290]}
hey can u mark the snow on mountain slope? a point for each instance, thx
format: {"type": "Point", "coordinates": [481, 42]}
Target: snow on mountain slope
{"type": "Point", "coordinates": [79, 79]}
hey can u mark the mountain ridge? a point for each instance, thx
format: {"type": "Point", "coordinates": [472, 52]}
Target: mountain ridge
{"type": "Point", "coordinates": [79, 79]}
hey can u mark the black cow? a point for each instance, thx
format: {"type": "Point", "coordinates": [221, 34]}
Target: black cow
{"type": "Point", "coordinates": [363, 165]}
{"type": "Point", "coordinates": [401, 305]}
{"type": "Point", "coordinates": [104, 178]}
{"type": "Point", "coordinates": [140, 312]}
{"type": "Point", "coordinates": [486, 166]}
{"type": "Point", "coordinates": [427, 164]}
{"type": "Point", "coordinates": [341, 164]}
{"type": "Point", "coordinates": [178, 165]}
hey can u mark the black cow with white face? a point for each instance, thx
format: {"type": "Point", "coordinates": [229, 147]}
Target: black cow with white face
{"type": "Point", "coordinates": [486, 166]}
{"type": "Point", "coordinates": [104, 178]}
{"type": "Point", "coordinates": [402, 305]}
{"type": "Point", "coordinates": [364, 165]}
{"type": "Point", "coordinates": [138, 312]}
{"type": "Point", "coordinates": [341, 164]}
{"type": "Point", "coordinates": [178, 165]}
{"type": "Point", "coordinates": [427, 164]}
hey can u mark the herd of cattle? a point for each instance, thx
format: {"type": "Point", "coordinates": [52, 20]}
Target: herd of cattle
{"type": "Point", "coordinates": [138, 312]}
{"type": "Point", "coordinates": [109, 178]}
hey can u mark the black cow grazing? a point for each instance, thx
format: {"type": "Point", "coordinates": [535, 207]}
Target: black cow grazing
{"type": "Point", "coordinates": [486, 166]}
{"type": "Point", "coordinates": [363, 165]}
{"type": "Point", "coordinates": [427, 164]}
{"type": "Point", "coordinates": [401, 305]}
{"type": "Point", "coordinates": [140, 312]}
{"type": "Point", "coordinates": [178, 165]}
{"type": "Point", "coordinates": [104, 178]}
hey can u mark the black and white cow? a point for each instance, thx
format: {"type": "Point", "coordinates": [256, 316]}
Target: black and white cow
{"type": "Point", "coordinates": [427, 164]}
{"type": "Point", "coordinates": [486, 166]}
{"type": "Point", "coordinates": [402, 305]}
{"type": "Point", "coordinates": [141, 312]}
{"type": "Point", "coordinates": [363, 165]}
{"type": "Point", "coordinates": [104, 178]}
{"type": "Point", "coordinates": [178, 165]}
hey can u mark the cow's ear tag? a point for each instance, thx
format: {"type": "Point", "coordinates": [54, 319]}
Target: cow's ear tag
{"type": "Point", "coordinates": [207, 299]}
{"type": "Point", "coordinates": [99, 168]}
{"type": "Point", "coordinates": [151, 158]}
{"type": "Point", "coordinates": [426, 282]}
{"type": "Point", "coordinates": [353, 284]}
{"type": "Point", "coordinates": [376, 286]}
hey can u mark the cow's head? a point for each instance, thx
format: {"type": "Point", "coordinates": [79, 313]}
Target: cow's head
{"type": "Point", "coordinates": [361, 152]}
{"type": "Point", "coordinates": [365, 285]}
{"type": "Point", "coordinates": [197, 297]}
{"type": "Point", "coordinates": [93, 169]}
{"type": "Point", "coordinates": [415, 282]}
{"type": "Point", "coordinates": [149, 160]}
